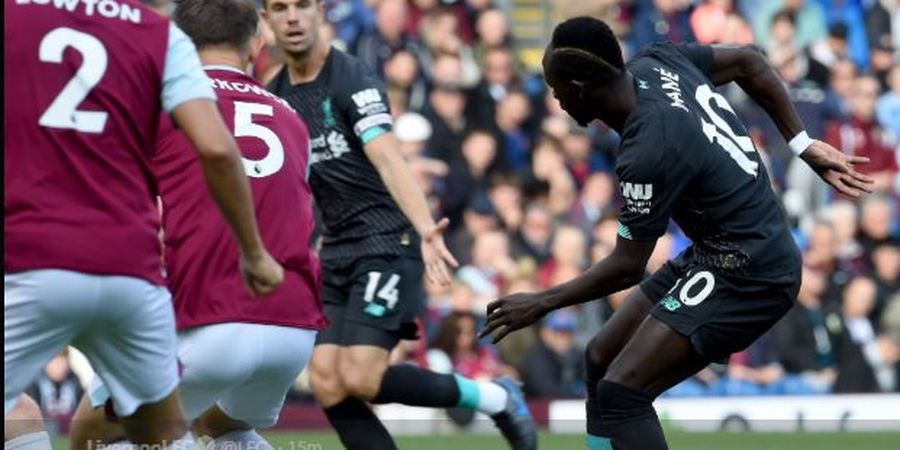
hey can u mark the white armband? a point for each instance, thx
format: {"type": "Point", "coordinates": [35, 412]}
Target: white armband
{"type": "Point", "coordinates": [800, 143]}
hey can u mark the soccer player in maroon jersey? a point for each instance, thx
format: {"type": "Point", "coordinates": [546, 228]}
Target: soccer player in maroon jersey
{"type": "Point", "coordinates": [239, 355]}
{"type": "Point", "coordinates": [85, 83]}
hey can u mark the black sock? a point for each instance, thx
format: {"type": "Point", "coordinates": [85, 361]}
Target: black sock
{"type": "Point", "coordinates": [628, 418]}
{"type": "Point", "coordinates": [358, 427]}
{"type": "Point", "coordinates": [415, 386]}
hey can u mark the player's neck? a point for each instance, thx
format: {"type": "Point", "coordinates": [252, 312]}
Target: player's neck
{"type": "Point", "coordinates": [305, 67]}
{"type": "Point", "coordinates": [215, 57]}
{"type": "Point", "coordinates": [620, 105]}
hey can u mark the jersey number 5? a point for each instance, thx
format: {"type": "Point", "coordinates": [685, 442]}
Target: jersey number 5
{"type": "Point", "coordinates": [63, 112]}
{"type": "Point", "coordinates": [717, 130]}
{"type": "Point", "coordinates": [244, 126]}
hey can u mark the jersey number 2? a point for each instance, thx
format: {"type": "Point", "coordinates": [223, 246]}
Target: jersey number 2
{"type": "Point", "coordinates": [63, 112]}
{"type": "Point", "coordinates": [717, 130]}
{"type": "Point", "coordinates": [244, 126]}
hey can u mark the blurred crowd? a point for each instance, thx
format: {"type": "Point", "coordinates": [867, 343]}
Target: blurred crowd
{"type": "Point", "coordinates": [533, 198]}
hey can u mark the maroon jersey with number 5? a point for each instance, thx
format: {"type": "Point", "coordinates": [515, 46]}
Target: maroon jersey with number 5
{"type": "Point", "coordinates": [200, 254]}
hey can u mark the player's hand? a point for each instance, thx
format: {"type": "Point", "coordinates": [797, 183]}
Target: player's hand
{"type": "Point", "coordinates": [261, 274]}
{"type": "Point", "coordinates": [436, 256]}
{"type": "Point", "coordinates": [836, 168]}
{"type": "Point", "coordinates": [512, 312]}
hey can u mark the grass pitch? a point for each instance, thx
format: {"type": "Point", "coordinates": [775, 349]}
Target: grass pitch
{"type": "Point", "coordinates": [677, 441]}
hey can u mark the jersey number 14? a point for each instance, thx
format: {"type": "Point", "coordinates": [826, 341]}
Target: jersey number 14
{"type": "Point", "coordinates": [719, 131]}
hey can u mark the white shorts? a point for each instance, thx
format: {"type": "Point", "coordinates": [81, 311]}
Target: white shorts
{"type": "Point", "coordinates": [245, 369]}
{"type": "Point", "coordinates": [124, 325]}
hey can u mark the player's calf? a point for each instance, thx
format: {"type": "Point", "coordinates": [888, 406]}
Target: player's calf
{"type": "Point", "coordinates": [24, 427]}
{"type": "Point", "coordinates": [361, 369]}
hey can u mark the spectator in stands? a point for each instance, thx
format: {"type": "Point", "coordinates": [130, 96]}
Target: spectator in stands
{"type": "Point", "coordinates": [478, 218]}
{"type": "Point", "coordinates": [754, 371]}
{"type": "Point", "coordinates": [492, 30]}
{"type": "Point", "coordinates": [875, 223]}
{"type": "Point", "coordinates": [888, 107]}
{"type": "Point", "coordinates": [595, 198]}
{"type": "Point", "coordinates": [439, 31]}
{"type": "Point", "coordinates": [865, 360]}
{"type": "Point", "coordinates": [548, 180]}
{"type": "Point", "coordinates": [567, 255]}
{"type": "Point", "coordinates": [663, 20]}
{"type": "Point", "coordinates": [507, 197]}
{"type": "Point", "coordinates": [886, 273]}
{"type": "Point", "coordinates": [782, 32]}
{"type": "Point", "coordinates": [844, 218]}
{"type": "Point", "coordinates": [456, 346]}
{"type": "Point", "coordinates": [862, 135]}
{"type": "Point", "coordinates": [471, 176]}
{"type": "Point", "coordinates": [532, 239]}
{"type": "Point", "coordinates": [499, 70]}
{"type": "Point", "coordinates": [447, 103]}
{"type": "Point", "coordinates": [376, 47]}
{"type": "Point", "coordinates": [350, 19]}
{"type": "Point", "coordinates": [833, 47]}
{"type": "Point", "coordinates": [717, 22]}
{"type": "Point", "coordinates": [489, 270]}
{"type": "Point", "coordinates": [554, 367]}
{"type": "Point", "coordinates": [883, 25]}
{"type": "Point", "coordinates": [810, 20]}
{"type": "Point", "coordinates": [850, 13]}
{"type": "Point", "coordinates": [401, 71]}
{"type": "Point", "coordinates": [56, 390]}
{"type": "Point", "coordinates": [802, 339]}
{"type": "Point", "coordinates": [512, 111]}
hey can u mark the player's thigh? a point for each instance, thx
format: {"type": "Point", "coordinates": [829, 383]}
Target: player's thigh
{"type": "Point", "coordinates": [335, 294]}
{"type": "Point", "coordinates": [655, 358]}
{"type": "Point", "coordinates": [213, 359]}
{"type": "Point", "coordinates": [616, 331]}
{"type": "Point", "coordinates": [258, 400]}
{"type": "Point", "coordinates": [43, 311]}
{"type": "Point", "coordinates": [131, 342]}
{"type": "Point", "coordinates": [25, 418]}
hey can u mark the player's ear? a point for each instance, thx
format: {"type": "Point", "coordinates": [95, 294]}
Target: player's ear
{"type": "Point", "coordinates": [579, 87]}
{"type": "Point", "coordinates": [257, 43]}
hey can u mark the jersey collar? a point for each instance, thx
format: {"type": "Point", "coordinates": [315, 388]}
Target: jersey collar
{"type": "Point", "coordinates": [226, 68]}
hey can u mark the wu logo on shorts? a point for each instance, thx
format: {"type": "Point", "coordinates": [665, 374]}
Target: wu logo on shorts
{"type": "Point", "coordinates": [636, 191]}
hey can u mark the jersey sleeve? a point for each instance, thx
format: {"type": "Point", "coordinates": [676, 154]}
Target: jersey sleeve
{"type": "Point", "coordinates": [183, 76]}
{"type": "Point", "coordinates": [700, 55]}
{"type": "Point", "coordinates": [364, 103]}
{"type": "Point", "coordinates": [652, 176]}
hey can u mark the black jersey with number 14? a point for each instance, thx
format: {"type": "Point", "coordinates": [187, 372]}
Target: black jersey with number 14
{"type": "Point", "coordinates": [345, 108]}
{"type": "Point", "coordinates": [686, 156]}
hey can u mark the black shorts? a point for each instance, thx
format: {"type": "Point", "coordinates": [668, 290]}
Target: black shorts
{"type": "Point", "coordinates": [720, 313]}
{"type": "Point", "coordinates": [371, 300]}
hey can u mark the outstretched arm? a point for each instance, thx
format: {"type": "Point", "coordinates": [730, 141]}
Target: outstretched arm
{"type": "Point", "coordinates": [749, 68]}
{"type": "Point", "coordinates": [620, 270]}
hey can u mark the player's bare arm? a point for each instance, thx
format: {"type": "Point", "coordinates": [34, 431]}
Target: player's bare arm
{"type": "Point", "coordinates": [221, 162]}
{"type": "Point", "coordinates": [623, 268]}
{"type": "Point", "coordinates": [397, 177]}
{"type": "Point", "coordinates": [748, 67]}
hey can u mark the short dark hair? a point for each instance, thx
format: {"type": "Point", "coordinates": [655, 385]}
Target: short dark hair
{"type": "Point", "coordinates": [585, 48]}
{"type": "Point", "coordinates": [218, 22]}
{"type": "Point", "coordinates": [784, 14]}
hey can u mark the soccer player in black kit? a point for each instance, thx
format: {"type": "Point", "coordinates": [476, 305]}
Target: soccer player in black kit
{"type": "Point", "coordinates": [683, 155]}
{"type": "Point", "coordinates": [372, 254]}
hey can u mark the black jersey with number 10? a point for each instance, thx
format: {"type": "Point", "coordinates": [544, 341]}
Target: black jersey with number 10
{"type": "Point", "coordinates": [345, 107]}
{"type": "Point", "coordinates": [686, 156]}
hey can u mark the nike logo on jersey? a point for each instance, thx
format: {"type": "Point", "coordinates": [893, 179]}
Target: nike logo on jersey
{"type": "Point", "coordinates": [671, 87]}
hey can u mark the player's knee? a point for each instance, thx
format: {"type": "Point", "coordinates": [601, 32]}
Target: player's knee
{"type": "Point", "coordinates": [595, 365]}
{"type": "Point", "coordinates": [24, 418]}
{"type": "Point", "coordinates": [619, 399]}
{"type": "Point", "coordinates": [360, 381]}
{"type": "Point", "coordinates": [323, 379]}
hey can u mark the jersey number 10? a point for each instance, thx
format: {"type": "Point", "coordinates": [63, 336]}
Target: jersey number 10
{"type": "Point", "coordinates": [719, 131]}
